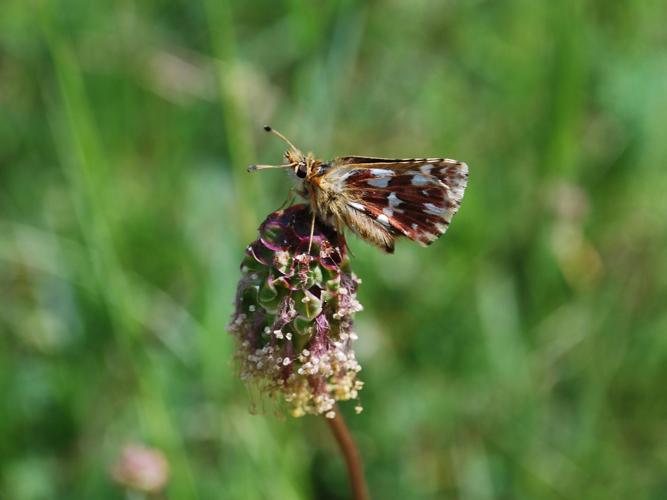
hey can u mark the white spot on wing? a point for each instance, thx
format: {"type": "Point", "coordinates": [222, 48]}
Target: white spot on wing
{"type": "Point", "coordinates": [425, 169]}
{"type": "Point", "coordinates": [356, 205]}
{"type": "Point", "coordinates": [381, 182]}
{"type": "Point", "coordinates": [431, 209]}
{"type": "Point", "coordinates": [419, 180]}
{"type": "Point", "coordinates": [382, 218]}
{"type": "Point", "coordinates": [381, 172]}
{"type": "Point", "coordinates": [394, 200]}
{"type": "Point", "coordinates": [388, 212]}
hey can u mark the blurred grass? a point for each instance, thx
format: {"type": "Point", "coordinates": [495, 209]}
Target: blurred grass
{"type": "Point", "coordinates": [523, 356]}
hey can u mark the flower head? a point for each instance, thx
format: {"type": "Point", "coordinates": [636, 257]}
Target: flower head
{"type": "Point", "coordinates": [142, 469]}
{"type": "Point", "coordinates": [293, 318]}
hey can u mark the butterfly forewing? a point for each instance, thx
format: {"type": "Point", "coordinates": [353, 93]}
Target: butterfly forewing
{"type": "Point", "coordinates": [416, 198]}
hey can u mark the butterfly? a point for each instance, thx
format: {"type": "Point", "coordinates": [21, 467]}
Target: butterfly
{"type": "Point", "coordinates": [379, 199]}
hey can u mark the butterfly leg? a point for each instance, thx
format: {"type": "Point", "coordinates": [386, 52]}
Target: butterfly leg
{"type": "Point", "coordinates": [289, 200]}
{"type": "Point", "coordinates": [312, 231]}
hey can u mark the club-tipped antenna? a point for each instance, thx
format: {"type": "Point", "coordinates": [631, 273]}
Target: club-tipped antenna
{"type": "Point", "coordinates": [252, 168]}
{"type": "Point", "coordinates": [281, 136]}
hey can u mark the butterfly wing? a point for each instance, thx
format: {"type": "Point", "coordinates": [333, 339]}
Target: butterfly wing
{"type": "Point", "coordinates": [416, 198]}
{"type": "Point", "coordinates": [362, 161]}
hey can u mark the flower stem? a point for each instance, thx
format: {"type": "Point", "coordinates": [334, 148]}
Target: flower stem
{"type": "Point", "coordinates": [355, 468]}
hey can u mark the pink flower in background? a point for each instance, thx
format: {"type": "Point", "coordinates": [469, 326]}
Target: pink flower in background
{"type": "Point", "coordinates": [141, 469]}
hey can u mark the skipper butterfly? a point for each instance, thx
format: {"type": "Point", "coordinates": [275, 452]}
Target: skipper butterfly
{"type": "Point", "coordinates": [379, 199]}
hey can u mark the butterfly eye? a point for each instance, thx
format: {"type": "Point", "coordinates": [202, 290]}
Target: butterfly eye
{"type": "Point", "coordinates": [301, 171]}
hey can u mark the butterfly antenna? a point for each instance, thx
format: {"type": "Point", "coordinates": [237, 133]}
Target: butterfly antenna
{"type": "Point", "coordinates": [281, 136]}
{"type": "Point", "coordinates": [252, 168]}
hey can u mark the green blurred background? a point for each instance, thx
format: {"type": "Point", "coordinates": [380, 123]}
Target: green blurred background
{"type": "Point", "coordinates": [523, 356]}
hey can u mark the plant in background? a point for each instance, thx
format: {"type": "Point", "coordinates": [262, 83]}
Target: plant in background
{"type": "Point", "coordinates": [141, 469]}
{"type": "Point", "coordinates": [293, 322]}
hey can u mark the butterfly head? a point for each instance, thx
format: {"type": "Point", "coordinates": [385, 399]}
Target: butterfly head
{"type": "Point", "coordinates": [302, 165]}
{"type": "Point", "coordinates": [298, 162]}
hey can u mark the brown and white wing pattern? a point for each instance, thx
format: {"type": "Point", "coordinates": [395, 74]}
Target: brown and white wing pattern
{"type": "Point", "coordinates": [415, 198]}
